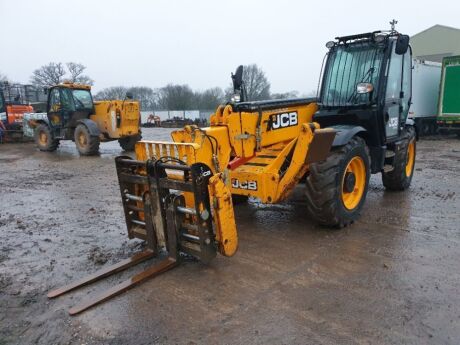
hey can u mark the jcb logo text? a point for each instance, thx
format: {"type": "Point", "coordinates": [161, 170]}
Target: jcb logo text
{"type": "Point", "coordinates": [248, 185]}
{"type": "Point", "coordinates": [283, 120]}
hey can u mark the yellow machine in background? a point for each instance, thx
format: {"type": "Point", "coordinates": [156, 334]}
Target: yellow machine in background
{"type": "Point", "coordinates": [72, 115]}
{"type": "Point", "coordinates": [117, 119]}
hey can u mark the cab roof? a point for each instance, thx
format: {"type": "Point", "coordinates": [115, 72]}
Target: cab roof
{"type": "Point", "coordinates": [77, 86]}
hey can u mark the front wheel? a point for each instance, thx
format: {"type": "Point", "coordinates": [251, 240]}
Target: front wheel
{"type": "Point", "coordinates": [44, 139]}
{"type": "Point", "coordinates": [336, 188]}
{"type": "Point", "coordinates": [128, 143]}
{"type": "Point", "coordinates": [403, 165]}
{"type": "Point", "coordinates": [86, 143]}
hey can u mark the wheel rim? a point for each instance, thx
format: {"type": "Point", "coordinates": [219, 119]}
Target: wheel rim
{"type": "Point", "coordinates": [42, 138]}
{"type": "Point", "coordinates": [352, 196]}
{"type": "Point", "coordinates": [410, 158]}
{"type": "Point", "coordinates": [82, 139]}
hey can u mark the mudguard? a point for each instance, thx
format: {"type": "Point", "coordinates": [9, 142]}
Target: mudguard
{"type": "Point", "coordinates": [345, 133]}
{"type": "Point", "coordinates": [92, 127]}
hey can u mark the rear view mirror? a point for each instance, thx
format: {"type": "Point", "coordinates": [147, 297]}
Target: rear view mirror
{"type": "Point", "coordinates": [237, 78]}
{"type": "Point", "coordinates": [129, 95]}
{"type": "Point", "coordinates": [402, 44]}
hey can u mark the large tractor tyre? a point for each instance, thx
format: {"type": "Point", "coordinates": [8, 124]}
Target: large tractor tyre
{"type": "Point", "coordinates": [128, 143]}
{"type": "Point", "coordinates": [336, 188]}
{"type": "Point", "coordinates": [401, 176]}
{"type": "Point", "coordinates": [44, 139]}
{"type": "Point", "coordinates": [86, 143]}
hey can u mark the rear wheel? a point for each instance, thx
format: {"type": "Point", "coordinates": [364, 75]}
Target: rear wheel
{"type": "Point", "coordinates": [401, 176]}
{"type": "Point", "coordinates": [336, 188]}
{"type": "Point", "coordinates": [86, 144]}
{"type": "Point", "coordinates": [44, 139]}
{"type": "Point", "coordinates": [128, 143]}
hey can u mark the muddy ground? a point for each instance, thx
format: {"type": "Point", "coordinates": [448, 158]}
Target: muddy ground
{"type": "Point", "coordinates": [391, 278]}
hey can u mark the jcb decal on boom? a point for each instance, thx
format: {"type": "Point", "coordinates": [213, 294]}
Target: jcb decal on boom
{"type": "Point", "coordinates": [283, 120]}
{"type": "Point", "coordinates": [249, 185]}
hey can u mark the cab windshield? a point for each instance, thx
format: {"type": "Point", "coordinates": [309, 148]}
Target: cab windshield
{"type": "Point", "coordinates": [349, 65]}
{"type": "Point", "coordinates": [82, 99]}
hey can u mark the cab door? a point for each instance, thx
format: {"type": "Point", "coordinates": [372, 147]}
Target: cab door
{"type": "Point", "coordinates": [398, 92]}
{"type": "Point", "coordinates": [55, 109]}
{"type": "Point", "coordinates": [60, 110]}
{"type": "Point", "coordinates": [393, 103]}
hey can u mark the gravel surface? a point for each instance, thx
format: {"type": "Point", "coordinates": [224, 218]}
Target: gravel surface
{"type": "Point", "coordinates": [391, 278]}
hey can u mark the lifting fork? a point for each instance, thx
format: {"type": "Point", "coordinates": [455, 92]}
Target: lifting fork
{"type": "Point", "coordinates": [153, 209]}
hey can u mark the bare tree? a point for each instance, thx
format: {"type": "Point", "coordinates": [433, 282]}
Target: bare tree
{"type": "Point", "coordinates": [145, 95]}
{"type": "Point", "coordinates": [48, 75]}
{"type": "Point", "coordinates": [209, 99]}
{"type": "Point", "coordinates": [55, 73]}
{"type": "Point", "coordinates": [285, 95]}
{"type": "Point", "coordinates": [170, 97]}
{"type": "Point", "coordinates": [112, 93]}
{"type": "Point", "coordinates": [257, 84]}
{"type": "Point", "coordinates": [76, 73]}
{"type": "Point", "coordinates": [176, 97]}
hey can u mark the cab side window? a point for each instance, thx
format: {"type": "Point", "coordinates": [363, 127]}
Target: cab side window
{"type": "Point", "coordinates": [55, 101]}
{"type": "Point", "coordinates": [406, 84]}
{"type": "Point", "coordinates": [394, 76]}
{"type": "Point", "coordinates": [67, 101]}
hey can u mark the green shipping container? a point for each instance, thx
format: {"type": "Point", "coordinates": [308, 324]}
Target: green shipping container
{"type": "Point", "coordinates": [449, 98]}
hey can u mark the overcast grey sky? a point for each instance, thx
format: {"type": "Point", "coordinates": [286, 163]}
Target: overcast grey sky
{"type": "Point", "coordinates": [199, 42]}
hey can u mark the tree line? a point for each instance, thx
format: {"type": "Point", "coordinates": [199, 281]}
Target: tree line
{"type": "Point", "coordinates": [169, 97]}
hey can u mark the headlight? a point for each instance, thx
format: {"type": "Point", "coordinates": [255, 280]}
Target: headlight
{"type": "Point", "coordinates": [236, 98]}
{"type": "Point", "coordinates": [362, 88]}
{"type": "Point", "coordinates": [379, 38]}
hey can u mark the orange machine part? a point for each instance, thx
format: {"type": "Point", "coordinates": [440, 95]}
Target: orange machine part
{"type": "Point", "coordinates": [16, 112]}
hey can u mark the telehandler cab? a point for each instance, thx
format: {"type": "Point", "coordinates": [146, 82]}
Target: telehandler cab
{"type": "Point", "coordinates": [72, 115]}
{"type": "Point", "coordinates": [178, 195]}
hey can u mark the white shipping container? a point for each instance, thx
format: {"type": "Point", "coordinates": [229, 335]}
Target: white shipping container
{"type": "Point", "coordinates": [426, 78]}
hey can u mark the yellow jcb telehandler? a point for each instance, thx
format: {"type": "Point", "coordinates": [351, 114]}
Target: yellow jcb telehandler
{"type": "Point", "coordinates": [177, 196]}
{"type": "Point", "coordinates": [73, 115]}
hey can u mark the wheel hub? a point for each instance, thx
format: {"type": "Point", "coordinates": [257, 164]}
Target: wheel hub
{"type": "Point", "coordinates": [353, 183]}
{"type": "Point", "coordinates": [349, 182]}
{"type": "Point", "coordinates": [410, 159]}
{"type": "Point", "coordinates": [82, 139]}
{"type": "Point", "coordinates": [42, 138]}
